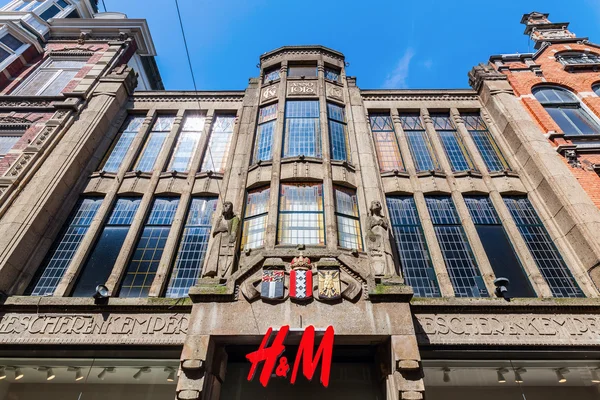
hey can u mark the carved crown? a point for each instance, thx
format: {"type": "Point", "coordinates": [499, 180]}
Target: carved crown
{"type": "Point", "coordinates": [300, 262]}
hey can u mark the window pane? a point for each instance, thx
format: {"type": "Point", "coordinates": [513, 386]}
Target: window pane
{"type": "Point", "coordinates": [215, 158]}
{"type": "Point", "coordinates": [49, 13]}
{"type": "Point", "coordinates": [7, 143]}
{"type": "Point", "coordinates": [554, 95]}
{"type": "Point", "coordinates": [596, 89]}
{"type": "Point", "coordinates": [192, 248]}
{"type": "Point", "coordinates": [11, 41]}
{"type": "Point", "coordinates": [255, 219]}
{"type": "Point", "coordinates": [544, 252]}
{"type": "Point", "coordinates": [129, 130]}
{"type": "Point", "coordinates": [348, 223]}
{"type": "Point", "coordinates": [386, 145]}
{"type": "Point", "coordinates": [59, 83]}
{"type": "Point", "coordinates": [63, 250]}
{"type": "Point", "coordinates": [332, 74]}
{"type": "Point", "coordinates": [187, 142]}
{"type": "Point", "coordinates": [500, 253]}
{"type": "Point", "coordinates": [100, 263]}
{"type": "Point", "coordinates": [460, 262]}
{"type": "Point", "coordinates": [154, 143]}
{"type": "Point", "coordinates": [63, 3]}
{"type": "Point", "coordinates": [302, 129]}
{"type": "Point", "coordinates": [32, 87]}
{"type": "Point", "coordinates": [271, 75]}
{"type": "Point", "coordinates": [415, 261]}
{"type": "Point", "coordinates": [418, 142]}
{"type": "Point", "coordinates": [337, 133]}
{"type": "Point", "coordinates": [148, 251]}
{"type": "Point", "coordinates": [582, 121]}
{"type": "Point", "coordinates": [562, 121]}
{"type": "Point", "coordinates": [264, 133]}
{"type": "Point", "coordinates": [302, 70]}
{"type": "Point", "coordinates": [487, 146]}
{"type": "Point", "coordinates": [453, 145]}
{"type": "Point", "coordinates": [3, 54]}
{"type": "Point", "coordinates": [301, 214]}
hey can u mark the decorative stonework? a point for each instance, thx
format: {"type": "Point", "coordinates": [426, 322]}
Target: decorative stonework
{"type": "Point", "coordinates": [484, 72]}
{"type": "Point", "coordinates": [19, 328]}
{"type": "Point", "coordinates": [334, 91]}
{"type": "Point", "coordinates": [165, 98]}
{"type": "Point", "coordinates": [19, 165]}
{"type": "Point", "coordinates": [419, 97]}
{"type": "Point", "coordinates": [269, 92]}
{"type": "Point", "coordinates": [302, 88]}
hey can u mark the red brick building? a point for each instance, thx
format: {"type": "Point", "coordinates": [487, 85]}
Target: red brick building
{"type": "Point", "coordinates": [559, 85]}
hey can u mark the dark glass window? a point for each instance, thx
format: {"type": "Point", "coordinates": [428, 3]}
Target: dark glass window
{"type": "Point", "coordinates": [498, 248]}
{"type": "Point", "coordinates": [455, 149]}
{"type": "Point", "coordinates": [100, 263]}
{"type": "Point", "coordinates": [302, 129]}
{"type": "Point", "coordinates": [60, 255]}
{"type": "Point", "coordinates": [12, 42]}
{"type": "Point", "coordinates": [596, 89]}
{"type": "Point", "coordinates": [386, 144]}
{"type": "Point", "coordinates": [458, 256]}
{"type": "Point", "coordinates": [542, 248]}
{"type": "Point", "coordinates": [154, 143]}
{"type": "Point", "coordinates": [301, 219]}
{"type": "Point", "coordinates": [215, 158]}
{"type": "Point", "coordinates": [3, 54]}
{"type": "Point", "coordinates": [255, 218]}
{"type": "Point", "coordinates": [415, 261]}
{"type": "Point", "coordinates": [62, 3]}
{"type": "Point", "coordinates": [348, 218]}
{"type": "Point", "coordinates": [192, 248]}
{"type": "Point", "coordinates": [487, 146]}
{"type": "Point", "coordinates": [149, 249]}
{"type": "Point", "coordinates": [419, 143]}
{"type": "Point", "coordinates": [271, 74]}
{"type": "Point", "coordinates": [267, 121]}
{"type": "Point", "coordinates": [302, 70]}
{"type": "Point", "coordinates": [50, 12]}
{"type": "Point", "coordinates": [338, 137]}
{"type": "Point", "coordinates": [129, 130]}
{"type": "Point", "coordinates": [332, 74]}
{"type": "Point", "coordinates": [565, 109]}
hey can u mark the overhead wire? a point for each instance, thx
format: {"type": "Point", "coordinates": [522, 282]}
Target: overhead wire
{"type": "Point", "coordinates": [187, 52]}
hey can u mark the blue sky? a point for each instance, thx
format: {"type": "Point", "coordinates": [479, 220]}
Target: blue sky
{"type": "Point", "coordinates": [395, 43]}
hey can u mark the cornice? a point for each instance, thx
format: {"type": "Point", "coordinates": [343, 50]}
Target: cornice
{"type": "Point", "coordinates": [410, 95]}
{"type": "Point", "coordinates": [180, 96]}
{"type": "Point", "coordinates": [301, 50]}
{"type": "Point", "coordinates": [501, 306]}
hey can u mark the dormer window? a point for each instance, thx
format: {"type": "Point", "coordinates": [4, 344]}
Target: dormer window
{"type": "Point", "coordinates": [9, 45]}
{"type": "Point", "coordinates": [579, 60]}
{"type": "Point", "coordinates": [45, 9]}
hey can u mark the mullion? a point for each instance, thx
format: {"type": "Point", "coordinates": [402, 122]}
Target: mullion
{"type": "Point", "coordinates": [386, 143]}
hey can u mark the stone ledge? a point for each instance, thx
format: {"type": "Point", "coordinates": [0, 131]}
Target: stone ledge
{"type": "Point", "coordinates": [113, 304]}
{"type": "Point", "coordinates": [448, 304]}
{"type": "Point", "coordinates": [390, 292]}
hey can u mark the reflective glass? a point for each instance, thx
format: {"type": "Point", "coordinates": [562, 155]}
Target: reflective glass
{"type": "Point", "coordinates": [154, 143]}
{"type": "Point", "coordinates": [487, 146]}
{"type": "Point", "coordinates": [332, 74]}
{"type": "Point", "coordinates": [302, 129]}
{"type": "Point", "coordinates": [419, 143]}
{"type": "Point", "coordinates": [12, 42]}
{"type": "Point", "coordinates": [7, 142]}
{"type": "Point", "coordinates": [338, 137]}
{"type": "Point", "coordinates": [129, 130]}
{"type": "Point", "coordinates": [386, 144]}
{"type": "Point", "coordinates": [255, 218]}
{"type": "Point", "coordinates": [271, 75]}
{"type": "Point", "coordinates": [187, 143]}
{"type": "Point", "coordinates": [455, 149]}
{"type": "Point", "coordinates": [215, 158]}
{"type": "Point", "coordinates": [301, 214]}
{"type": "Point", "coordinates": [348, 218]}
{"type": "Point", "coordinates": [264, 133]}
{"type": "Point", "coordinates": [50, 12]}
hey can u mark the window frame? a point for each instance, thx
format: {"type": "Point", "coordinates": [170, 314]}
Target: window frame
{"type": "Point", "coordinates": [44, 65]}
{"type": "Point", "coordinates": [117, 139]}
{"type": "Point", "coordinates": [480, 135]}
{"type": "Point", "coordinates": [335, 70]}
{"type": "Point", "coordinates": [317, 138]}
{"type": "Point", "coordinates": [270, 70]}
{"type": "Point", "coordinates": [344, 124]}
{"type": "Point", "coordinates": [355, 218]}
{"type": "Point", "coordinates": [247, 218]}
{"type": "Point", "coordinates": [380, 145]}
{"type": "Point", "coordinates": [181, 144]}
{"type": "Point", "coordinates": [207, 156]}
{"type": "Point", "coordinates": [12, 54]}
{"type": "Point", "coordinates": [303, 65]}
{"type": "Point", "coordinates": [424, 136]}
{"type": "Point", "coordinates": [18, 134]}
{"type": "Point", "coordinates": [280, 212]}
{"type": "Point", "coordinates": [148, 138]}
{"type": "Point", "coordinates": [260, 125]}
{"type": "Point", "coordinates": [449, 138]}
{"type": "Point", "coordinates": [63, 11]}
{"type": "Point", "coordinates": [596, 88]}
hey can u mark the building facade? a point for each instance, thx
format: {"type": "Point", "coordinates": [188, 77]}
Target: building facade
{"type": "Point", "coordinates": [160, 244]}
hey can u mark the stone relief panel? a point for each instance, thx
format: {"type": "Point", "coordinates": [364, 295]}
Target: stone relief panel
{"type": "Point", "coordinates": [334, 91]}
{"type": "Point", "coordinates": [508, 329]}
{"type": "Point", "coordinates": [93, 328]}
{"type": "Point", "coordinates": [302, 88]}
{"type": "Point", "coordinates": [268, 93]}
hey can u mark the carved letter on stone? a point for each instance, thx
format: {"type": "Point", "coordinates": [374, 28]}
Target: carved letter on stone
{"type": "Point", "coordinates": [302, 88]}
{"type": "Point", "coordinates": [222, 258]}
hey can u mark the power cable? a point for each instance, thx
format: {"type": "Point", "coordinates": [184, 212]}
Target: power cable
{"type": "Point", "coordinates": [104, 4]}
{"type": "Point", "coordinates": [187, 52]}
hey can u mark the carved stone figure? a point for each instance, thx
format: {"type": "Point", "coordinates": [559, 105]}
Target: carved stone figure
{"type": "Point", "coordinates": [222, 255]}
{"type": "Point", "coordinates": [377, 229]}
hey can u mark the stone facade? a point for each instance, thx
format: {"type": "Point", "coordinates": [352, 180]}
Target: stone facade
{"type": "Point", "coordinates": [363, 279]}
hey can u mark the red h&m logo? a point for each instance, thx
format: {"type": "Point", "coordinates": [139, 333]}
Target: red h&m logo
{"type": "Point", "coordinates": [270, 355]}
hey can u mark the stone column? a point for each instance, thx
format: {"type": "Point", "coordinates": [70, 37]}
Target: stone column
{"type": "Point", "coordinates": [407, 375]}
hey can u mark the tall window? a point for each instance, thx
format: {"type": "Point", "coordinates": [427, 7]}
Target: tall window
{"type": "Point", "coordinates": [64, 248]}
{"type": "Point", "coordinates": [544, 252]}
{"type": "Point", "coordinates": [302, 129]}
{"type": "Point", "coordinates": [215, 158]}
{"type": "Point", "coordinates": [302, 70]}
{"type": "Point", "coordinates": [487, 146]}
{"type": "Point", "coordinates": [9, 45]}
{"type": "Point", "coordinates": [100, 263]}
{"type": "Point", "coordinates": [149, 248]}
{"type": "Point", "coordinates": [129, 130]}
{"type": "Point", "coordinates": [458, 256]}
{"type": "Point", "coordinates": [187, 142]}
{"type": "Point", "coordinates": [455, 149]}
{"type": "Point", "coordinates": [192, 247]}
{"type": "Point", "coordinates": [271, 74]}
{"type": "Point", "coordinates": [386, 144]}
{"type": "Point", "coordinates": [419, 143]}
{"type": "Point", "coordinates": [8, 141]}
{"type": "Point", "coordinates": [255, 218]}
{"type": "Point", "coordinates": [498, 249]}
{"type": "Point", "coordinates": [565, 109]}
{"type": "Point", "coordinates": [301, 218]}
{"type": "Point", "coordinates": [340, 150]}
{"type": "Point", "coordinates": [154, 143]}
{"type": "Point", "coordinates": [267, 120]}
{"type": "Point", "coordinates": [348, 218]}
{"type": "Point", "coordinates": [50, 78]}
{"type": "Point", "coordinates": [415, 261]}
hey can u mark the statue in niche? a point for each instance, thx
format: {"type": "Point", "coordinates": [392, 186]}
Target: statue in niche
{"type": "Point", "coordinates": [222, 254]}
{"type": "Point", "coordinates": [377, 229]}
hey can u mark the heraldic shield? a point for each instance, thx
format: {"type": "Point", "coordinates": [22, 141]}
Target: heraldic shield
{"type": "Point", "coordinates": [271, 286]}
{"type": "Point", "coordinates": [301, 283]}
{"type": "Point", "coordinates": [329, 284]}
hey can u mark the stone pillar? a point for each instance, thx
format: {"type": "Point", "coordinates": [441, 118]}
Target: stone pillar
{"type": "Point", "coordinates": [407, 374]}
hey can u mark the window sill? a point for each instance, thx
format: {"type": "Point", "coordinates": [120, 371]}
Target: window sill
{"type": "Point", "coordinates": [173, 174]}
{"type": "Point", "coordinates": [471, 173]}
{"type": "Point", "coordinates": [434, 172]}
{"type": "Point", "coordinates": [344, 164]}
{"type": "Point", "coordinates": [138, 174]}
{"type": "Point", "coordinates": [579, 67]}
{"type": "Point", "coordinates": [337, 83]}
{"type": "Point", "coordinates": [356, 253]}
{"type": "Point", "coordinates": [395, 172]}
{"type": "Point", "coordinates": [302, 78]}
{"type": "Point", "coordinates": [270, 83]}
{"type": "Point", "coordinates": [506, 172]}
{"type": "Point", "coordinates": [209, 174]}
{"type": "Point", "coordinates": [103, 174]}
{"type": "Point", "coordinates": [315, 160]}
{"type": "Point", "coordinates": [260, 163]}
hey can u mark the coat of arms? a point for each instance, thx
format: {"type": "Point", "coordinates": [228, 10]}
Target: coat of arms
{"type": "Point", "coordinates": [271, 286]}
{"type": "Point", "coordinates": [301, 278]}
{"type": "Point", "coordinates": [329, 283]}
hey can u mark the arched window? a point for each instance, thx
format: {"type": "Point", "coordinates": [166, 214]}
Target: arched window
{"type": "Point", "coordinates": [566, 111]}
{"type": "Point", "coordinates": [596, 88]}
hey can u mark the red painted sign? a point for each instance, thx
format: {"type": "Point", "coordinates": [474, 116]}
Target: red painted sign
{"type": "Point", "coordinates": [272, 354]}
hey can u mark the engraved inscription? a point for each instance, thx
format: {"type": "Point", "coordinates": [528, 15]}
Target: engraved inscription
{"type": "Point", "coordinates": [508, 329]}
{"type": "Point", "coordinates": [302, 88]}
{"type": "Point", "coordinates": [269, 92]}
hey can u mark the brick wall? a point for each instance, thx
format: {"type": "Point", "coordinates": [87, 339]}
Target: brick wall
{"type": "Point", "coordinates": [522, 78]}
